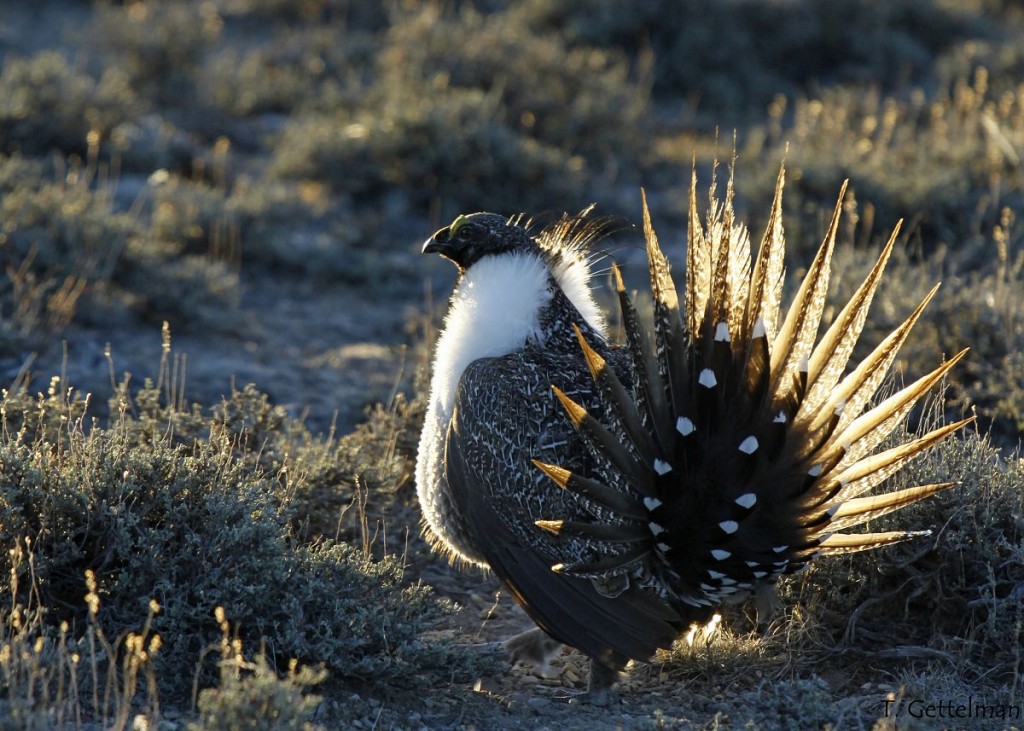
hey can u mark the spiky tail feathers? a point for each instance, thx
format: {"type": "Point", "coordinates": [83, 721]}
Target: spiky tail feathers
{"type": "Point", "coordinates": [745, 447]}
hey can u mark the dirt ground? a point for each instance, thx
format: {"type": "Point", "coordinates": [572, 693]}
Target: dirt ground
{"type": "Point", "coordinates": [649, 695]}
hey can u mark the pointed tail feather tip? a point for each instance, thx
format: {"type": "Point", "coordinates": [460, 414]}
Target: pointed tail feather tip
{"type": "Point", "coordinates": [595, 362]}
{"type": "Point", "coordinates": [559, 475]}
{"type": "Point", "coordinates": [576, 412]}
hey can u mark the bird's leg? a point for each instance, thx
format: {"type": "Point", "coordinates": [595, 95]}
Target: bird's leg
{"type": "Point", "coordinates": [535, 648]}
{"type": "Point", "coordinates": [599, 687]}
{"type": "Point", "coordinates": [768, 604]}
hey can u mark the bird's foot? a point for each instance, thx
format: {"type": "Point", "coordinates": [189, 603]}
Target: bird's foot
{"type": "Point", "coordinates": [599, 690]}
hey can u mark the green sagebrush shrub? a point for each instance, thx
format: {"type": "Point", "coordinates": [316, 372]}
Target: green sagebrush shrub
{"type": "Point", "coordinates": [185, 515]}
{"type": "Point", "coordinates": [504, 118]}
{"type": "Point", "coordinates": [48, 104]}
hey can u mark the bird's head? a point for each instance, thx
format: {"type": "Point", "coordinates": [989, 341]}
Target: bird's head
{"type": "Point", "coordinates": [519, 266]}
{"type": "Point", "coordinates": [473, 236]}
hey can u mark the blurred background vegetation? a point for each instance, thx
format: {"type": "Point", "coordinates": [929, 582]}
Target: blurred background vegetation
{"type": "Point", "coordinates": [157, 158]}
{"type": "Point", "coordinates": [204, 163]}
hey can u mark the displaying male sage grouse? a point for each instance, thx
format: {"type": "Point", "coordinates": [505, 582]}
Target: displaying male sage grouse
{"type": "Point", "coordinates": [621, 492]}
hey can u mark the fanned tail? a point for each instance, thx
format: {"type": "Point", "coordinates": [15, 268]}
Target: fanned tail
{"type": "Point", "coordinates": [738, 445]}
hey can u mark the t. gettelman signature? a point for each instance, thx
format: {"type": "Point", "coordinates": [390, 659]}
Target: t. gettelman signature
{"type": "Point", "coordinates": [946, 709]}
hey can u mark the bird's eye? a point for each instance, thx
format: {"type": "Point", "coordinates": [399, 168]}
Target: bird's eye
{"type": "Point", "coordinates": [463, 233]}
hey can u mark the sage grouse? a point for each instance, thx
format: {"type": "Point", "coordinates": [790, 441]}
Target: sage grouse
{"type": "Point", "coordinates": [620, 492]}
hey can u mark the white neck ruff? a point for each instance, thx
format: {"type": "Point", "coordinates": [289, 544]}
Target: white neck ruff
{"type": "Point", "coordinates": [494, 311]}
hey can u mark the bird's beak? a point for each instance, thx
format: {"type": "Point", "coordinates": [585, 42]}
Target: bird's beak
{"type": "Point", "coordinates": [450, 248]}
{"type": "Point", "coordinates": [439, 243]}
